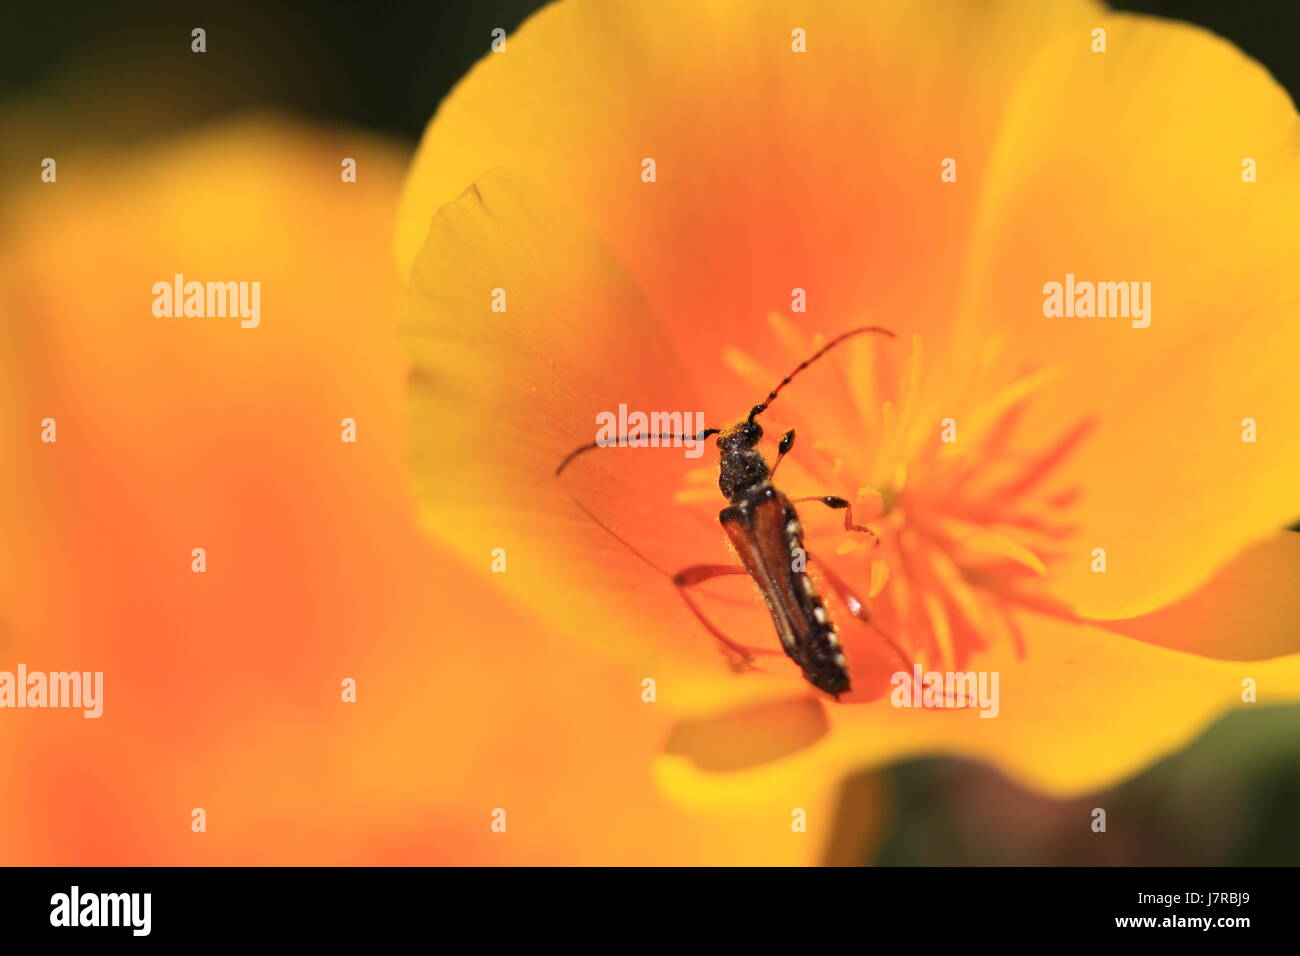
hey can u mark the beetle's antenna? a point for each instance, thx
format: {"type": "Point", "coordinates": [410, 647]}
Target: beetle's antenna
{"type": "Point", "coordinates": [609, 442]}
{"type": "Point", "coordinates": [771, 396]}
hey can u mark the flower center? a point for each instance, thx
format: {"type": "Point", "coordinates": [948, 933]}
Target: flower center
{"type": "Point", "coordinates": [971, 513]}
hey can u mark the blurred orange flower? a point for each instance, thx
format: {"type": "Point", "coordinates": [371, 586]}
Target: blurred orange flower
{"type": "Point", "coordinates": [222, 690]}
{"type": "Point", "coordinates": [658, 187]}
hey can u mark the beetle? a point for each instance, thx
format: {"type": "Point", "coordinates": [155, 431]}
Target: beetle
{"type": "Point", "coordinates": [764, 528]}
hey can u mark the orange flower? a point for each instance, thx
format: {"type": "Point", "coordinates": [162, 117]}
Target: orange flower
{"type": "Point", "coordinates": [655, 189]}
{"type": "Point", "coordinates": [222, 690]}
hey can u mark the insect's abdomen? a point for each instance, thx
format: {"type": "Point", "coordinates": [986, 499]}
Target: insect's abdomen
{"type": "Point", "coordinates": [766, 533]}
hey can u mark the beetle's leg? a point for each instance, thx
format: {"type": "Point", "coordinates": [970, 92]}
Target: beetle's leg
{"type": "Point", "coordinates": [787, 442]}
{"type": "Point", "coordinates": [699, 573]}
{"type": "Point", "coordinates": [832, 501]}
{"type": "Point", "coordinates": [854, 605]}
{"type": "Point", "coordinates": [689, 577]}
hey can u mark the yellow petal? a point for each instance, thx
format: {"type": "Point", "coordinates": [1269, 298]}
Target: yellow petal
{"type": "Point", "coordinates": [1126, 166]}
{"type": "Point", "coordinates": [222, 690]}
{"type": "Point", "coordinates": [746, 205]}
{"type": "Point", "coordinates": [752, 735]}
{"type": "Point", "coordinates": [499, 399]}
{"type": "Point", "coordinates": [1084, 710]}
{"type": "Point", "coordinates": [1250, 610]}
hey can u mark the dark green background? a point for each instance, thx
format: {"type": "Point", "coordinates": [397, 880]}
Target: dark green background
{"type": "Point", "coordinates": [381, 65]}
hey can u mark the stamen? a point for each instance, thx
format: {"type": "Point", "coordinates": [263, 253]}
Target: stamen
{"type": "Point", "coordinates": [970, 528]}
{"type": "Point", "coordinates": [879, 578]}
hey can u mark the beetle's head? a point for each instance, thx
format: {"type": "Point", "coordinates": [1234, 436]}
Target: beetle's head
{"type": "Point", "coordinates": [741, 436]}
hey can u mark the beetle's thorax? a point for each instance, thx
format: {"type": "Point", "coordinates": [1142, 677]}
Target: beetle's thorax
{"type": "Point", "coordinates": [742, 469]}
